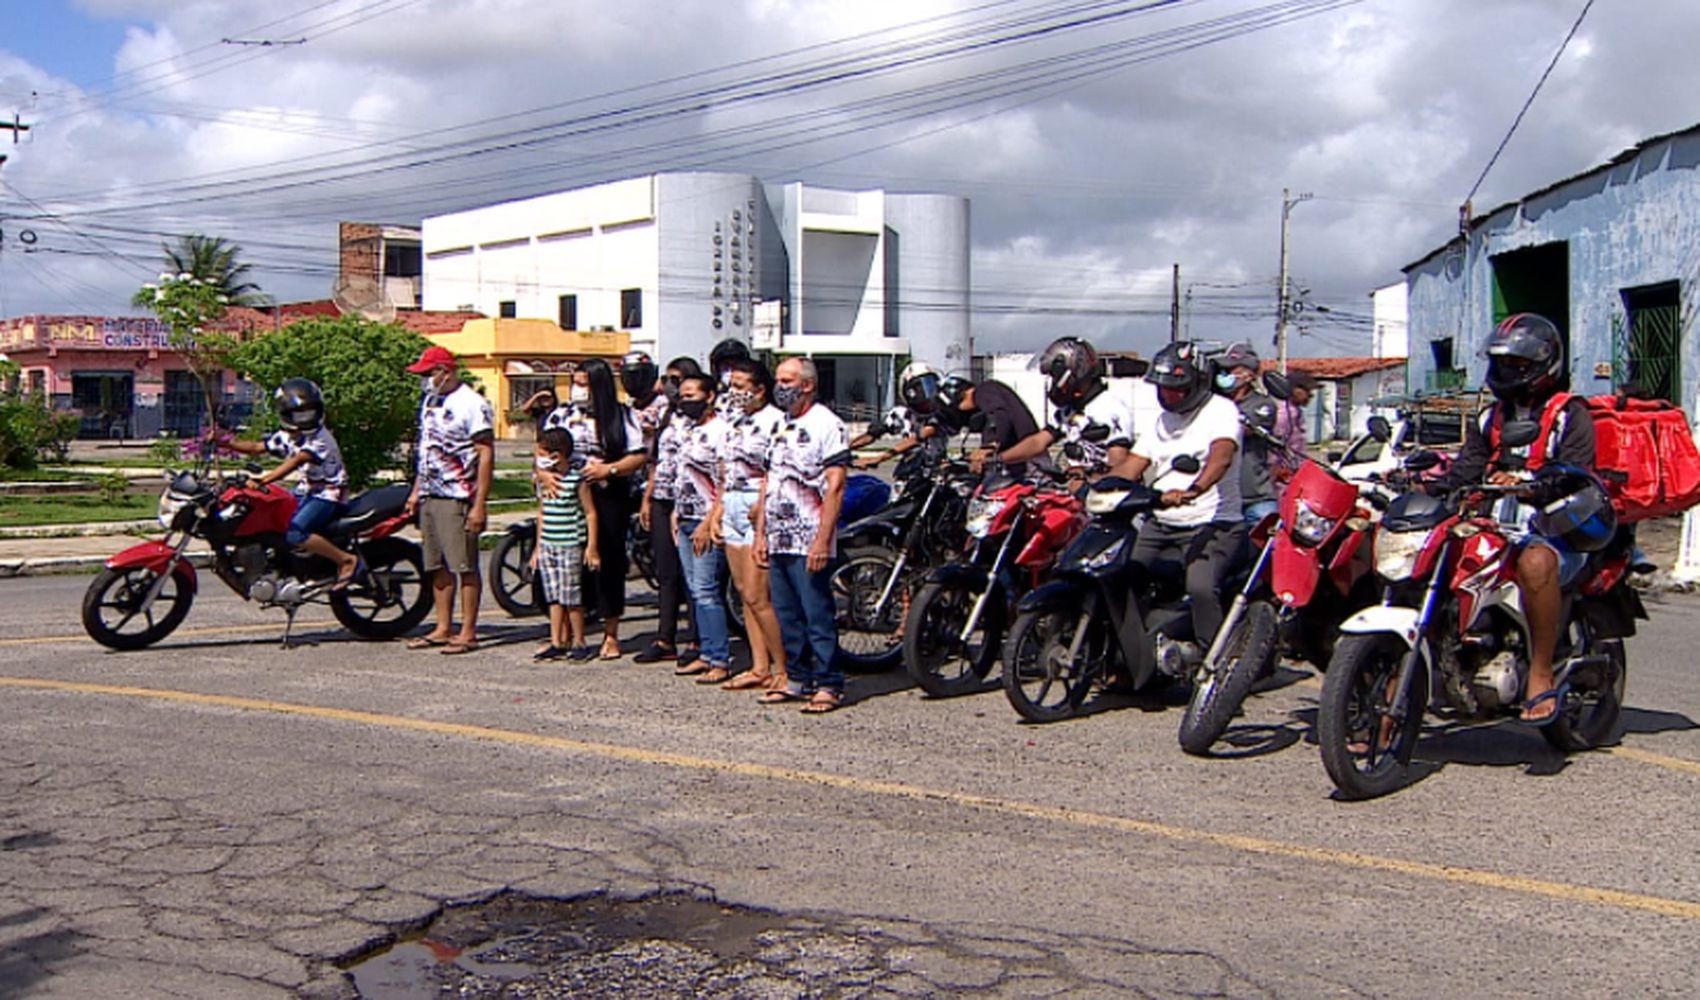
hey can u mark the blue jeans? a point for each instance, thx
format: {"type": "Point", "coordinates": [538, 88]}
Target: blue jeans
{"type": "Point", "coordinates": [803, 602]}
{"type": "Point", "coordinates": [703, 575]}
{"type": "Point", "coordinates": [312, 514]}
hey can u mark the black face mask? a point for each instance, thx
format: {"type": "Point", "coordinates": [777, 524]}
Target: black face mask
{"type": "Point", "coordinates": [693, 409]}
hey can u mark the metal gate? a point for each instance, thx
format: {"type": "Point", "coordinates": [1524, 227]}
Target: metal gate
{"type": "Point", "coordinates": [1647, 351]}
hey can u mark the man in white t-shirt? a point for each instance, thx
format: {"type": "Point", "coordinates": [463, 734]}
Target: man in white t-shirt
{"type": "Point", "coordinates": [1190, 453]}
{"type": "Point", "coordinates": [1093, 426]}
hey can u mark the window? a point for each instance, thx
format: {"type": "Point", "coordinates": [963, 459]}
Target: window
{"type": "Point", "coordinates": [38, 382]}
{"type": "Point", "coordinates": [569, 312]}
{"type": "Point", "coordinates": [507, 309]}
{"type": "Point", "coordinates": [631, 308]}
{"type": "Point", "coordinates": [1648, 342]}
{"type": "Point", "coordinates": [1446, 373]}
{"type": "Point", "coordinates": [523, 387]}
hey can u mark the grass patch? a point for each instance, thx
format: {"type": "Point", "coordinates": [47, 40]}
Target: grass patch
{"type": "Point", "coordinates": [18, 511]}
{"type": "Point", "coordinates": [43, 475]}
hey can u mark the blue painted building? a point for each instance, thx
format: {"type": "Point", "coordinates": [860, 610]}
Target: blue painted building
{"type": "Point", "coordinates": [1611, 255]}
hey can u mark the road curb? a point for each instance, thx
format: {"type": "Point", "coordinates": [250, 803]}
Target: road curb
{"type": "Point", "coordinates": [52, 565]}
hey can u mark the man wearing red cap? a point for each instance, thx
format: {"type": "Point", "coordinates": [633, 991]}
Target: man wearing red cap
{"type": "Point", "coordinates": [457, 451]}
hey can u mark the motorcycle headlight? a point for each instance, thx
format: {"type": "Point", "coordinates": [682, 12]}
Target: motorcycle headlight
{"type": "Point", "coordinates": [1106, 558]}
{"type": "Point", "coordinates": [1309, 527]}
{"type": "Point", "coordinates": [170, 502]}
{"type": "Point", "coordinates": [981, 513]}
{"type": "Point", "coordinates": [1396, 553]}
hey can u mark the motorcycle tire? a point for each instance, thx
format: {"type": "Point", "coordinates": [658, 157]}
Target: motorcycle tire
{"type": "Point", "coordinates": [868, 643]}
{"type": "Point", "coordinates": [640, 555]}
{"type": "Point", "coordinates": [392, 598]}
{"type": "Point", "coordinates": [1593, 714]}
{"type": "Point", "coordinates": [512, 583]}
{"type": "Point", "coordinates": [934, 654]}
{"type": "Point", "coordinates": [1354, 690]}
{"type": "Point", "coordinates": [1248, 652]}
{"type": "Point", "coordinates": [1034, 666]}
{"type": "Point", "coordinates": [118, 590]}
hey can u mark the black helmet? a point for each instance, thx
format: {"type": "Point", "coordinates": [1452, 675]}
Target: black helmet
{"type": "Point", "coordinates": [638, 375]}
{"type": "Point", "coordinates": [299, 404]}
{"type": "Point", "coordinates": [1525, 357]}
{"type": "Point", "coordinates": [1182, 375]}
{"type": "Point", "coordinates": [918, 385]}
{"type": "Point", "coordinates": [1575, 508]}
{"type": "Point", "coordinates": [1072, 370]}
{"type": "Point", "coordinates": [947, 402]}
{"type": "Point", "coordinates": [724, 353]}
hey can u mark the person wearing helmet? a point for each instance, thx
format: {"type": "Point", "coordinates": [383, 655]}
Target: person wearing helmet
{"type": "Point", "coordinates": [912, 421]}
{"type": "Point", "coordinates": [720, 359]}
{"type": "Point", "coordinates": [1526, 372]}
{"type": "Point", "coordinates": [1094, 427]}
{"type": "Point", "coordinates": [1190, 453]}
{"type": "Point", "coordinates": [305, 444]}
{"type": "Point", "coordinates": [1237, 369]}
{"type": "Point", "coordinates": [994, 411]}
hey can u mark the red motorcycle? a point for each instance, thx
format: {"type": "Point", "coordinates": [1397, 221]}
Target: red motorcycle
{"type": "Point", "coordinates": [1450, 634]}
{"type": "Point", "coordinates": [1312, 572]}
{"type": "Point", "coordinates": [145, 592]}
{"type": "Point", "coordinates": [956, 624]}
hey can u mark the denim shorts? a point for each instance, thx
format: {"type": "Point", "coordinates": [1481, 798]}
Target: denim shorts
{"type": "Point", "coordinates": [735, 524]}
{"type": "Point", "coordinates": [1570, 562]}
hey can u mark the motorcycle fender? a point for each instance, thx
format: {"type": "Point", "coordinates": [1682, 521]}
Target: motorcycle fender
{"type": "Point", "coordinates": [1294, 573]}
{"type": "Point", "coordinates": [1401, 622]}
{"type": "Point", "coordinates": [384, 529]}
{"type": "Point", "coordinates": [1053, 596]}
{"type": "Point", "coordinates": [520, 529]}
{"type": "Point", "coordinates": [871, 532]}
{"type": "Point", "coordinates": [154, 556]}
{"type": "Point", "coordinates": [965, 575]}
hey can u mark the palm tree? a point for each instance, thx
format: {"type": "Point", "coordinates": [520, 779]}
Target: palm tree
{"type": "Point", "coordinates": [215, 260]}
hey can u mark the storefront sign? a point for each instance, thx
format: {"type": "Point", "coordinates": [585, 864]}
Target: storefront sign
{"type": "Point", "coordinates": [112, 334]}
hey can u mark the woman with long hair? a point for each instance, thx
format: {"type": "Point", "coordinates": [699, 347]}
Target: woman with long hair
{"type": "Point", "coordinates": [613, 446]}
{"type": "Point", "coordinates": [656, 516]}
{"type": "Point", "coordinates": [747, 403]}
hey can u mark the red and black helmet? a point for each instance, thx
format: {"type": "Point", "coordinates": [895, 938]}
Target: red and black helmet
{"type": "Point", "coordinates": [1072, 371]}
{"type": "Point", "coordinates": [1525, 356]}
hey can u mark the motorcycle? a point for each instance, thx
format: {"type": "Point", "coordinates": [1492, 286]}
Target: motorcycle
{"type": "Point", "coordinates": [885, 556]}
{"type": "Point", "coordinates": [514, 585]}
{"type": "Point", "coordinates": [151, 586]}
{"type": "Point", "coordinates": [956, 625]}
{"type": "Point", "coordinates": [1311, 572]}
{"type": "Point", "coordinates": [1450, 636]}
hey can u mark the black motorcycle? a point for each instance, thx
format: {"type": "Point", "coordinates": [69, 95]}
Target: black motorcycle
{"type": "Point", "coordinates": [513, 584]}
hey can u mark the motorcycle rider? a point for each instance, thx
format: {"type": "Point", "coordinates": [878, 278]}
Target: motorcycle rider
{"type": "Point", "coordinates": [1084, 410]}
{"type": "Point", "coordinates": [991, 409]}
{"type": "Point", "coordinates": [1527, 372]}
{"type": "Point", "coordinates": [305, 443]}
{"type": "Point", "coordinates": [1198, 523]}
{"type": "Point", "coordinates": [914, 421]}
{"type": "Point", "coordinates": [1236, 378]}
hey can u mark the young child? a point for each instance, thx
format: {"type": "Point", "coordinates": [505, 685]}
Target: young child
{"type": "Point", "coordinates": [566, 544]}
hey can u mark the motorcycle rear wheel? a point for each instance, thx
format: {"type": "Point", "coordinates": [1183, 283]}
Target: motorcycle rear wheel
{"type": "Point", "coordinates": [936, 657]}
{"type": "Point", "coordinates": [512, 583]}
{"type": "Point", "coordinates": [119, 592]}
{"type": "Point", "coordinates": [1248, 652]}
{"type": "Point", "coordinates": [1043, 684]}
{"type": "Point", "coordinates": [1355, 701]}
{"type": "Point", "coordinates": [392, 598]}
{"type": "Point", "coordinates": [1592, 715]}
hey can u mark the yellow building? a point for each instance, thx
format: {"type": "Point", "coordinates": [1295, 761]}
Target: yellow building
{"type": "Point", "coordinates": [513, 358]}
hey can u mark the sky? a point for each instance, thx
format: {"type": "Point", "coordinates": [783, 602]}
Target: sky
{"type": "Point", "coordinates": [1101, 142]}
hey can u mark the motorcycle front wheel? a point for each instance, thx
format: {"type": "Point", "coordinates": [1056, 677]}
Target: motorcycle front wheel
{"type": "Point", "coordinates": [1362, 741]}
{"type": "Point", "coordinates": [1247, 652]}
{"type": "Point", "coordinates": [112, 607]}
{"type": "Point", "coordinates": [391, 598]}
{"type": "Point", "coordinates": [512, 583]}
{"type": "Point", "coordinates": [1043, 682]}
{"type": "Point", "coordinates": [870, 638]}
{"type": "Point", "coordinates": [937, 658]}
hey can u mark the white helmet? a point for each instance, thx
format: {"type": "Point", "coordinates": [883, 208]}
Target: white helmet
{"type": "Point", "coordinates": [917, 385]}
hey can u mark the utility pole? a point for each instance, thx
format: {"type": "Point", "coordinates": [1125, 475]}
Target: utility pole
{"type": "Point", "coordinates": [16, 126]}
{"type": "Point", "coordinates": [1175, 307]}
{"type": "Point", "coordinates": [1284, 302]}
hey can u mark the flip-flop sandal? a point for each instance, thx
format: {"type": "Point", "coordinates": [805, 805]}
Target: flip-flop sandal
{"type": "Point", "coordinates": [1556, 696]}
{"type": "Point", "coordinates": [426, 642]}
{"type": "Point", "coordinates": [715, 675]}
{"type": "Point", "coordinates": [778, 697]}
{"type": "Point", "coordinates": [691, 669]}
{"type": "Point", "coordinates": [457, 648]}
{"type": "Point", "coordinates": [746, 681]}
{"type": "Point", "coordinates": [605, 655]}
{"type": "Point", "coordinates": [823, 702]}
{"type": "Point", "coordinates": [342, 582]}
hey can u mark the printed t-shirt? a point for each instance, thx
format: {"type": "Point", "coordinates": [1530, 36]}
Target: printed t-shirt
{"type": "Point", "coordinates": [806, 446]}
{"type": "Point", "coordinates": [448, 427]}
{"type": "Point", "coordinates": [323, 477]}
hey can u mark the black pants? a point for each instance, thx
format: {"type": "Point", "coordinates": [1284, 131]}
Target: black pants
{"type": "Point", "coordinates": [668, 589]}
{"type": "Point", "coordinates": [613, 519]}
{"type": "Point", "coordinates": [1204, 554]}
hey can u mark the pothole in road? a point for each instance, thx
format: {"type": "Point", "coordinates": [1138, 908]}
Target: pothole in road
{"type": "Point", "coordinates": [663, 945]}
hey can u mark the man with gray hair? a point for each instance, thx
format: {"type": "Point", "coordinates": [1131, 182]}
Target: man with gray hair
{"type": "Point", "coordinates": [796, 523]}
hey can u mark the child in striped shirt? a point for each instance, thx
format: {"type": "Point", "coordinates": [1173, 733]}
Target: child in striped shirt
{"type": "Point", "coordinates": [566, 544]}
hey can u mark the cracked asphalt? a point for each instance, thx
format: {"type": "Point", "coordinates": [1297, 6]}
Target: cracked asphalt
{"type": "Point", "coordinates": [217, 817]}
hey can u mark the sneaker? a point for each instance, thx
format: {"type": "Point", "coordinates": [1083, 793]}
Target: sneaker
{"type": "Point", "coordinates": [550, 653]}
{"type": "Point", "coordinates": [581, 654]}
{"type": "Point", "coordinates": [655, 653]}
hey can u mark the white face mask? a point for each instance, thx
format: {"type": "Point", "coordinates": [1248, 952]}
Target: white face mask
{"type": "Point", "coordinates": [1227, 381]}
{"type": "Point", "coordinates": [579, 394]}
{"type": "Point", "coordinates": [545, 462]}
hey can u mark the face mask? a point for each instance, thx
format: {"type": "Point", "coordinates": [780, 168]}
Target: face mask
{"type": "Point", "coordinates": [786, 397]}
{"type": "Point", "coordinates": [580, 394]}
{"type": "Point", "coordinates": [739, 400]}
{"type": "Point", "coordinates": [1227, 381]}
{"type": "Point", "coordinates": [546, 462]}
{"type": "Point", "coordinates": [693, 409]}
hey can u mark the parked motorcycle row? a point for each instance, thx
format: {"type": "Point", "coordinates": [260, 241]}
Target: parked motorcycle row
{"type": "Point", "coordinates": [1407, 602]}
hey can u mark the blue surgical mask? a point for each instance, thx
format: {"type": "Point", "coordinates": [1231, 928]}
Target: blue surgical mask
{"type": "Point", "coordinates": [1227, 381]}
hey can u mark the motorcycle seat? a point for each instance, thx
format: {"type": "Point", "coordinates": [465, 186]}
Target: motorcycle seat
{"type": "Point", "coordinates": [369, 508]}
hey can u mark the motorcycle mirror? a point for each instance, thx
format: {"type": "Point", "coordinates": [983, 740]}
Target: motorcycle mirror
{"type": "Point", "coordinates": [1096, 433]}
{"type": "Point", "coordinates": [1517, 433]}
{"type": "Point", "coordinates": [253, 468]}
{"type": "Point", "coordinates": [1380, 429]}
{"type": "Point", "coordinates": [1421, 461]}
{"type": "Point", "coordinates": [1074, 451]}
{"type": "Point", "coordinates": [1186, 464]}
{"type": "Point", "coordinates": [1278, 386]}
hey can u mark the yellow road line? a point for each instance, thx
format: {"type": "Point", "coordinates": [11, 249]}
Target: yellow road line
{"type": "Point", "coordinates": [301, 627]}
{"type": "Point", "coordinates": [1655, 759]}
{"type": "Point", "coordinates": [1679, 908]}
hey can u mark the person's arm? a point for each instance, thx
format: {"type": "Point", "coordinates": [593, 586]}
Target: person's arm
{"type": "Point", "coordinates": [484, 446]}
{"type": "Point", "coordinates": [1576, 447]}
{"type": "Point", "coordinates": [1116, 454]}
{"type": "Point", "coordinates": [1216, 465]}
{"type": "Point", "coordinates": [1031, 446]}
{"type": "Point", "coordinates": [247, 447]}
{"type": "Point", "coordinates": [1132, 466]}
{"type": "Point", "coordinates": [283, 468]}
{"type": "Point", "coordinates": [645, 518]}
{"type": "Point", "coordinates": [592, 555]}
{"type": "Point", "coordinates": [831, 502]}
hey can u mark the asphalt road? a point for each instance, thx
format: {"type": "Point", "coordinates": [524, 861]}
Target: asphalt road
{"type": "Point", "coordinates": [219, 817]}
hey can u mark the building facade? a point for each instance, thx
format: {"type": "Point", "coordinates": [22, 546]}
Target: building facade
{"type": "Point", "coordinates": [1609, 255]}
{"type": "Point", "coordinates": [858, 280]}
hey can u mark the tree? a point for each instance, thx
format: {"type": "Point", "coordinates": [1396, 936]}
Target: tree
{"type": "Point", "coordinates": [371, 402]}
{"type": "Point", "coordinates": [215, 261]}
{"type": "Point", "coordinates": [188, 306]}
{"type": "Point", "coordinates": [28, 426]}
